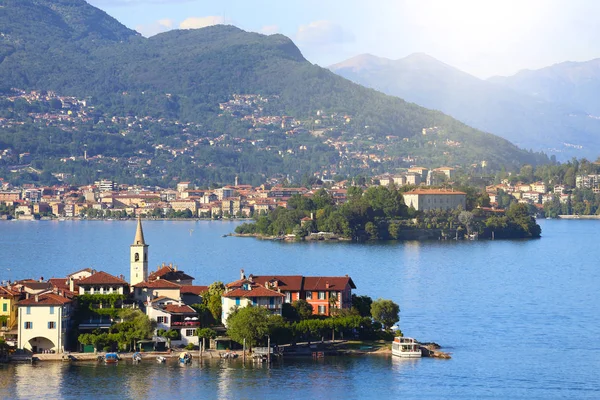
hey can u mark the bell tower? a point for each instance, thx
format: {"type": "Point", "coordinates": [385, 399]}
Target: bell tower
{"type": "Point", "coordinates": [138, 260]}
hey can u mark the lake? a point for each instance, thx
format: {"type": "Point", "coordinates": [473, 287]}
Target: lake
{"type": "Point", "coordinates": [519, 317]}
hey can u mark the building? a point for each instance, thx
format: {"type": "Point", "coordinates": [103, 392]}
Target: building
{"type": "Point", "coordinates": [138, 270]}
{"type": "Point", "coordinates": [328, 293]}
{"type": "Point", "coordinates": [44, 321]}
{"type": "Point", "coordinates": [8, 308]}
{"type": "Point", "coordinates": [171, 314]}
{"type": "Point", "coordinates": [103, 283]}
{"type": "Point", "coordinates": [172, 274]}
{"type": "Point", "coordinates": [143, 291]}
{"type": "Point", "coordinates": [448, 171]}
{"type": "Point", "coordinates": [435, 199]}
{"type": "Point", "coordinates": [323, 293]}
{"type": "Point", "coordinates": [244, 293]}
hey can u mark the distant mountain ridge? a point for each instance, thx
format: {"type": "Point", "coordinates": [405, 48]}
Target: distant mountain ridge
{"type": "Point", "coordinates": [573, 83]}
{"type": "Point", "coordinates": [528, 121]}
{"type": "Point", "coordinates": [77, 50]}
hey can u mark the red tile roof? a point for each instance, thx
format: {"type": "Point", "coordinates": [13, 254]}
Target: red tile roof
{"type": "Point", "coordinates": [190, 289]}
{"type": "Point", "coordinates": [6, 292]}
{"type": "Point", "coordinates": [59, 283]}
{"type": "Point", "coordinates": [48, 299]}
{"type": "Point", "coordinates": [158, 284]}
{"type": "Point", "coordinates": [258, 291]}
{"type": "Point", "coordinates": [102, 278]}
{"type": "Point", "coordinates": [177, 309]}
{"type": "Point", "coordinates": [34, 285]}
{"type": "Point", "coordinates": [291, 283]}
{"type": "Point", "coordinates": [169, 273]}
{"type": "Point", "coordinates": [321, 283]}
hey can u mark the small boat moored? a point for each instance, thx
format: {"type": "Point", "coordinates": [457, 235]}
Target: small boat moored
{"type": "Point", "coordinates": [111, 358]}
{"type": "Point", "coordinates": [185, 358]}
{"type": "Point", "coordinates": [406, 347]}
{"type": "Point", "coordinates": [161, 359]}
{"type": "Point", "coordinates": [137, 358]}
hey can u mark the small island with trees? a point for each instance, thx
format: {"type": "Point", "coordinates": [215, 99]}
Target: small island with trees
{"type": "Point", "coordinates": [380, 213]}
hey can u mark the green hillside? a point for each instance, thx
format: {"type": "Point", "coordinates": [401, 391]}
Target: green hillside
{"type": "Point", "coordinates": [77, 50]}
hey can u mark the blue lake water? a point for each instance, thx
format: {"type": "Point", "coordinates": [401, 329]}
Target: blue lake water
{"type": "Point", "coordinates": [519, 317]}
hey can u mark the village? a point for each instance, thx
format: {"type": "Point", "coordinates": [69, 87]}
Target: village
{"type": "Point", "coordinates": [109, 199]}
{"type": "Point", "coordinates": [42, 316]}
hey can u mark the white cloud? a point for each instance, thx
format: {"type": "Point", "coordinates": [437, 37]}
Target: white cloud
{"type": "Point", "coordinates": [155, 27]}
{"type": "Point", "coordinates": [269, 29]}
{"type": "Point", "coordinates": [323, 33]}
{"type": "Point", "coordinates": [201, 22]}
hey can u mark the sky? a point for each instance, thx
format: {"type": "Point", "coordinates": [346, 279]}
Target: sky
{"type": "Point", "coordinates": [482, 37]}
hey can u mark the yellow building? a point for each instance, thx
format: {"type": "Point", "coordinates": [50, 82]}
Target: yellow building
{"type": "Point", "coordinates": [8, 309]}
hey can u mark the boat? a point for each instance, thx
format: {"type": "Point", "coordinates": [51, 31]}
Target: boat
{"type": "Point", "coordinates": [161, 359]}
{"type": "Point", "coordinates": [137, 358]}
{"type": "Point", "coordinates": [111, 358]}
{"type": "Point", "coordinates": [229, 354]}
{"type": "Point", "coordinates": [185, 358]}
{"type": "Point", "coordinates": [406, 347]}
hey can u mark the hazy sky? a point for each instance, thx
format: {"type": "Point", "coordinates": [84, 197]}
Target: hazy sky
{"type": "Point", "coordinates": [481, 37]}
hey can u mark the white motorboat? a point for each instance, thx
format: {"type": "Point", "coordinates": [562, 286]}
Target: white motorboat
{"type": "Point", "coordinates": [406, 347]}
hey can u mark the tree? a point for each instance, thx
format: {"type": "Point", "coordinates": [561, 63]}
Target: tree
{"type": "Point", "coordinates": [386, 312]}
{"type": "Point", "coordinates": [205, 333]}
{"type": "Point", "coordinates": [466, 218]}
{"type": "Point", "coordinates": [250, 323]}
{"type": "Point", "coordinates": [303, 308]}
{"type": "Point", "coordinates": [169, 335]}
{"type": "Point", "coordinates": [212, 299]}
{"type": "Point", "coordinates": [362, 304]}
{"type": "Point", "coordinates": [135, 326]}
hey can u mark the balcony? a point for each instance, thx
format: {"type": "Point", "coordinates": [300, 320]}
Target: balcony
{"type": "Point", "coordinates": [185, 323]}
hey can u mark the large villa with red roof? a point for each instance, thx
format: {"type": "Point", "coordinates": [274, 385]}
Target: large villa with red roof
{"type": "Point", "coordinates": [271, 291]}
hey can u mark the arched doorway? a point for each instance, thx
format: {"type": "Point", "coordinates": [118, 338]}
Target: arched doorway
{"type": "Point", "coordinates": [39, 344]}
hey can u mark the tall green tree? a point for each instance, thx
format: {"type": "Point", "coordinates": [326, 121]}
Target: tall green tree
{"type": "Point", "coordinates": [250, 323]}
{"type": "Point", "coordinates": [386, 312]}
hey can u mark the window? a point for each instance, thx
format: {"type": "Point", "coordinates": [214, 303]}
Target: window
{"type": "Point", "coordinates": [189, 332]}
{"type": "Point", "coordinates": [136, 257]}
{"type": "Point", "coordinates": [51, 310]}
{"type": "Point", "coordinates": [321, 295]}
{"type": "Point", "coordinates": [237, 301]}
{"type": "Point", "coordinates": [162, 320]}
{"type": "Point", "coordinates": [308, 295]}
{"type": "Point", "coordinates": [28, 311]}
{"type": "Point", "coordinates": [322, 310]}
{"type": "Point", "coordinates": [288, 297]}
{"type": "Point", "coordinates": [5, 307]}
{"type": "Point", "coordinates": [51, 325]}
{"type": "Point", "coordinates": [28, 325]}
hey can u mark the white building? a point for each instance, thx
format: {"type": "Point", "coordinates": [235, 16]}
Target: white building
{"type": "Point", "coordinates": [170, 314]}
{"type": "Point", "coordinates": [245, 293]}
{"type": "Point", "coordinates": [435, 199]}
{"type": "Point", "coordinates": [43, 323]}
{"type": "Point", "coordinates": [103, 283]}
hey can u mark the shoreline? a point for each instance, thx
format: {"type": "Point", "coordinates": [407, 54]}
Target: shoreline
{"type": "Point", "coordinates": [338, 348]}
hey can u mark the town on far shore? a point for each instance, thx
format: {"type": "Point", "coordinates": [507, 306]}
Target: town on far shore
{"type": "Point", "coordinates": [91, 311]}
{"type": "Point", "coordinates": [424, 189]}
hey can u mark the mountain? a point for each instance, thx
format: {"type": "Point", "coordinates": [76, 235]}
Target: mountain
{"type": "Point", "coordinates": [528, 121]}
{"type": "Point", "coordinates": [182, 78]}
{"type": "Point", "coordinates": [574, 83]}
